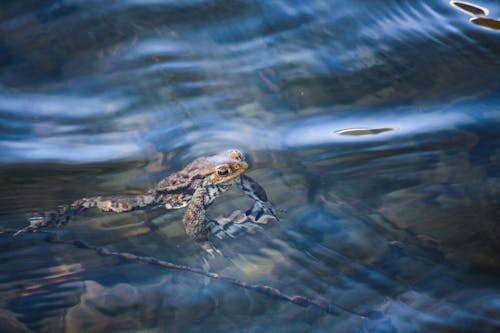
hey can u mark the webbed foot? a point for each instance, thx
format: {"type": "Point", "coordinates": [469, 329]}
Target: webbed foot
{"type": "Point", "coordinates": [48, 219]}
{"type": "Point", "coordinates": [262, 213]}
{"type": "Point", "coordinates": [231, 226]}
{"type": "Point", "coordinates": [36, 222]}
{"type": "Point", "coordinates": [262, 210]}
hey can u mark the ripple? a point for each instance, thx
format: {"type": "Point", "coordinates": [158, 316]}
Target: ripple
{"type": "Point", "coordinates": [70, 149]}
{"type": "Point", "coordinates": [372, 125]}
{"type": "Point", "coordinates": [61, 105]}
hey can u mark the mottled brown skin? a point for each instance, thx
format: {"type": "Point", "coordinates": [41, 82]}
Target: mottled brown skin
{"type": "Point", "coordinates": [195, 187]}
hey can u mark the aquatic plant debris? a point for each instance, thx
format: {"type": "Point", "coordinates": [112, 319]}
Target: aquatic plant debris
{"type": "Point", "coordinates": [479, 14]}
{"type": "Point", "coordinates": [470, 8]}
{"type": "Point", "coordinates": [326, 306]}
{"type": "Point", "coordinates": [486, 22]}
{"type": "Point", "coordinates": [364, 131]}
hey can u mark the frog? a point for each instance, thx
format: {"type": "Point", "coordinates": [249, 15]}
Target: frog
{"type": "Point", "coordinates": [195, 187]}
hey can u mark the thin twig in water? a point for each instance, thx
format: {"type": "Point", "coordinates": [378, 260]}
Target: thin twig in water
{"type": "Point", "coordinates": [324, 305]}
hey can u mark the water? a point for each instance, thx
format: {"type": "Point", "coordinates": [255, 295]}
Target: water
{"type": "Point", "coordinates": [373, 126]}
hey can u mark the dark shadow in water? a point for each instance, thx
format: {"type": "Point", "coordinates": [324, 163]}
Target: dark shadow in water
{"type": "Point", "coordinates": [470, 8]}
{"type": "Point", "coordinates": [479, 14]}
{"type": "Point", "coordinates": [486, 22]}
{"type": "Point", "coordinates": [401, 222]}
{"type": "Point", "coordinates": [364, 131]}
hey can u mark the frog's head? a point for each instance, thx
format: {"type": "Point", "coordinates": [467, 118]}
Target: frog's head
{"type": "Point", "coordinates": [224, 167]}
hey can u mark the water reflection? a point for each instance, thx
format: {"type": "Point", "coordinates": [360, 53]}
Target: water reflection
{"type": "Point", "coordinates": [110, 98]}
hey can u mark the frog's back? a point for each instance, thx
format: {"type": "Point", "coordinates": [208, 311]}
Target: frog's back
{"type": "Point", "coordinates": [185, 180]}
{"type": "Point", "coordinates": [203, 171]}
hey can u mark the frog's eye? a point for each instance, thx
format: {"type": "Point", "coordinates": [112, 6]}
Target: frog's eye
{"type": "Point", "coordinates": [223, 171]}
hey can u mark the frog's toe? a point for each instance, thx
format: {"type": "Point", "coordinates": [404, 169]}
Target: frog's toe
{"type": "Point", "coordinates": [36, 222]}
{"type": "Point", "coordinates": [264, 219]}
{"type": "Point", "coordinates": [175, 205]}
{"type": "Point", "coordinates": [210, 249]}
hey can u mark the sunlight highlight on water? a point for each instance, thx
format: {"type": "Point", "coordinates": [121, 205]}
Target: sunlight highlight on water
{"type": "Point", "coordinates": [372, 126]}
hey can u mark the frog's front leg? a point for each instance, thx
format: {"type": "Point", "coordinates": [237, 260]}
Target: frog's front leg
{"type": "Point", "coordinates": [195, 219]}
{"type": "Point", "coordinates": [261, 206]}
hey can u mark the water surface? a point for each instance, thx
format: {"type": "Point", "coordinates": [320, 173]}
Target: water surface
{"type": "Point", "coordinates": [372, 125]}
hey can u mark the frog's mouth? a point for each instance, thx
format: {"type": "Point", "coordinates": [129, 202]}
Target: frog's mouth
{"type": "Point", "coordinates": [242, 165]}
{"type": "Point", "coordinates": [238, 168]}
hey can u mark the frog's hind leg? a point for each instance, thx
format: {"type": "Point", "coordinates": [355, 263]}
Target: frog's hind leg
{"type": "Point", "coordinates": [53, 218]}
{"type": "Point", "coordinates": [62, 215]}
{"type": "Point", "coordinates": [118, 204]}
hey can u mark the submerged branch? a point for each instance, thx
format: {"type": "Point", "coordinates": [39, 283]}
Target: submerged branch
{"type": "Point", "coordinates": [322, 304]}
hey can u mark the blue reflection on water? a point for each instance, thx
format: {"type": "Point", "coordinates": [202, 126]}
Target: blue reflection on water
{"type": "Point", "coordinates": [102, 98]}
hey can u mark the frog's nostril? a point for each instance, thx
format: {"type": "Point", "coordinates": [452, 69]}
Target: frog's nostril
{"type": "Point", "coordinates": [236, 154]}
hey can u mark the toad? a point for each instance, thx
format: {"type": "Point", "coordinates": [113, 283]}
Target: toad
{"type": "Point", "coordinates": [195, 187]}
